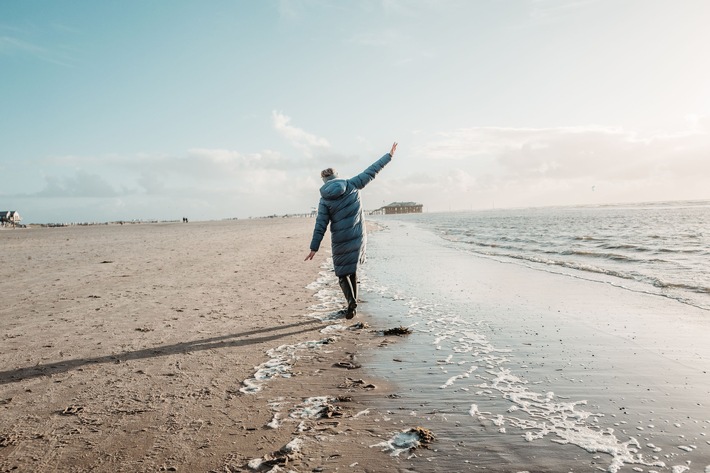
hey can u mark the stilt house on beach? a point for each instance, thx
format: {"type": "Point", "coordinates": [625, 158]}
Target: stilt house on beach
{"type": "Point", "coordinates": [9, 218]}
{"type": "Point", "coordinates": [399, 208]}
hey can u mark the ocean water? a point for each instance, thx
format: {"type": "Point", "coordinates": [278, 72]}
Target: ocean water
{"type": "Point", "coordinates": [659, 248]}
{"type": "Point", "coordinates": [555, 340]}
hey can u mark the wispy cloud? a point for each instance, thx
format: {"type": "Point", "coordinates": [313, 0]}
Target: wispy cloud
{"type": "Point", "coordinates": [82, 184]}
{"type": "Point", "coordinates": [211, 183]}
{"type": "Point", "coordinates": [544, 166]}
{"type": "Point", "coordinates": [569, 151]}
{"type": "Point", "coordinates": [10, 45]}
{"type": "Point", "coordinates": [289, 9]}
{"type": "Point", "coordinates": [297, 137]}
{"type": "Point", "coordinates": [449, 170]}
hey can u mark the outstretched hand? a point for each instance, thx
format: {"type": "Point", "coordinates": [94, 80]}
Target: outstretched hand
{"type": "Point", "coordinates": [394, 148]}
{"type": "Point", "coordinates": [310, 255]}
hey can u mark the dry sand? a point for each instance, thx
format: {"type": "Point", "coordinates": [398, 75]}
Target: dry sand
{"type": "Point", "coordinates": [124, 348]}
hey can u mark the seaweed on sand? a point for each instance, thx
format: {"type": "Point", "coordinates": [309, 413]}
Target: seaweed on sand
{"type": "Point", "coordinates": [426, 436]}
{"type": "Point", "coordinates": [408, 441]}
{"type": "Point", "coordinates": [401, 330]}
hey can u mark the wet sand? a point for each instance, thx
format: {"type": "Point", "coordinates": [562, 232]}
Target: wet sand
{"type": "Point", "coordinates": [130, 348]}
{"type": "Point", "coordinates": [522, 370]}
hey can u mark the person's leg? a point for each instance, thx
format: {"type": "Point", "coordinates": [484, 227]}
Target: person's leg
{"type": "Point", "coordinates": [352, 310]}
{"type": "Point", "coordinates": [353, 283]}
{"type": "Point", "coordinates": [350, 292]}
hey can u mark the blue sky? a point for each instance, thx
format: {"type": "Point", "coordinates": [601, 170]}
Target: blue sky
{"type": "Point", "coordinates": [220, 109]}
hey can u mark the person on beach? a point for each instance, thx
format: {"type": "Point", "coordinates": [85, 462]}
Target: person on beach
{"type": "Point", "coordinates": [340, 207]}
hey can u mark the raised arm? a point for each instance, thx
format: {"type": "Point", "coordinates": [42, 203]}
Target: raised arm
{"type": "Point", "coordinates": [364, 178]}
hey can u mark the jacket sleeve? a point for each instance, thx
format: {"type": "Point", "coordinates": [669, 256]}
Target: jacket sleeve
{"type": "Point", "coordinates": [322, 221]}
{"type": "Point", "coordinates": [364, 178]}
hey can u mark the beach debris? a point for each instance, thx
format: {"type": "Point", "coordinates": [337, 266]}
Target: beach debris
{"type": "Point", "coordinates": [344, 399]}
{"type": "Point", "coordinates": [333, 328]}
{"type": "Point", "coordinates": [318, 407]}
{"type": "Point", "coordinates": [407, 441]}
{"type": "Point", "coordinates": [359, 326]}
{"type": "Point", "coordinates": [426, 436]}
{"type": "Point", "coordinates": [71, 410]}
{"type": "Point", "coordinates": [143, 329]}
{"type": "Point", "coordinates": [329, 411]}
{"type": "Point", "coordinates": [106, 262]}
{"type": "Point", "coordinates": [289, 452]}
{"type": "Point", "coordinates": [352, 383]}
{"type": "Point", "coordinates": [5, 401]}
{"type": "Point", "coordinates": [401, 330]}
{"type": "Point", "coordinates": [350, 364]}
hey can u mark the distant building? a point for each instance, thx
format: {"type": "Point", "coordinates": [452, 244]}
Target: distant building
{"type": "Point", "coordinates": [400, 208]}
{"type": "Point", "coordinates": [9, 217]}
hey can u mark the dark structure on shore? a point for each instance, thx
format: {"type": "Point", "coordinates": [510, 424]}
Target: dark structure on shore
{"type": "Point", "coordinates": [399, 208]}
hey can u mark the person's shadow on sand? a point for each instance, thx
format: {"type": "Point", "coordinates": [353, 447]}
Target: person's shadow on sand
{"type": "Point", "coordinates": [224, 341]}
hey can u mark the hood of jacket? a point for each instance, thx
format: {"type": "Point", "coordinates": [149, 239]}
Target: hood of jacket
{"type": "Point", "coordinates": [333, 189]}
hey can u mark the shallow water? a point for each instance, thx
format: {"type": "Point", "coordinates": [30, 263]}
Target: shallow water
{"type": "Point", "coordinates": [659, 248]}
{"type": "Point", "coordinates": [518, 369]}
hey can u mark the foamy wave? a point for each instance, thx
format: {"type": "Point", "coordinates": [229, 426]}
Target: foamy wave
{"type": "Point", "coordinates": [281, 358]}
{"type": "Point", "coordinates": [539, 415]}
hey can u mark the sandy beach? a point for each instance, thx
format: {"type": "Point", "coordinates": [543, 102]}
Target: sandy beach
{"type": "Point", "coordinates": [135, 347]}
{"type": "Point", "coordinates": [214, 347]}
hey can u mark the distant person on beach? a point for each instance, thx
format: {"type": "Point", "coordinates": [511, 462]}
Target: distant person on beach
{"type": "Point", "coordinates": [341, 208]}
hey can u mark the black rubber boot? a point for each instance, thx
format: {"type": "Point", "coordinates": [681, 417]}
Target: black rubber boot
{"type": "Point", "coordinates": [349, 286]}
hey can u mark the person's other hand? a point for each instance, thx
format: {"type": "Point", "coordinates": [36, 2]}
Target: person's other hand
{"type": "Point", "coordinates": [310, 255]}
{"type": "Point", "coordinates": [394, 148]}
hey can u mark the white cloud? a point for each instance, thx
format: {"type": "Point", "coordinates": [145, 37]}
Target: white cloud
{"type": "Point", "coordinates": [151, 183]}
{"type": "Point", "coordinates": [472, 167]}
{"type": "Point", "coordinates": [220, 161]}
{"type": "Point", "coordinates": [297, 137]}
{"type": "Point", "coordinates": [567, 151]}
{"type": "Point", "coordinates": [82, 184]}
{"type": "Point", "coordinates": [202, 183]}
{"type": "Point", "coordinates": [464, 168]}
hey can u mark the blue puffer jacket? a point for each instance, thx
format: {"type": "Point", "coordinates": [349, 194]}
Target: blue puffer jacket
{"type": "Point", "coordinates": [340, 206]}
